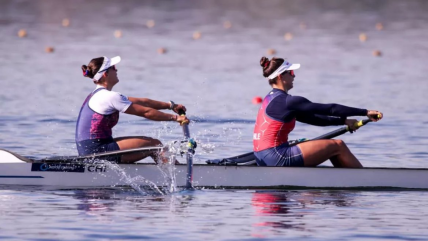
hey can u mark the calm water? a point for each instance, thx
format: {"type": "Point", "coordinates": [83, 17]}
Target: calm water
{"type": "Point", "coordinates": [216, 77]}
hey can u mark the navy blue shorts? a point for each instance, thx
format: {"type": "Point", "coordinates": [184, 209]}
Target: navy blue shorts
{"type": "Point", "coordinates": [283, 155]}
{"type": "Point", "coordinates": [88, 147]}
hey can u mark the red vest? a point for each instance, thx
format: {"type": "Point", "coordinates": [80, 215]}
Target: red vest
{"type": "Point", "coordinates": [270, 132]}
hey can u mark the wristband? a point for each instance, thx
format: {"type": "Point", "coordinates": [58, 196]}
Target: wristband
{"type": "Point", "coordinates": [171, 104]}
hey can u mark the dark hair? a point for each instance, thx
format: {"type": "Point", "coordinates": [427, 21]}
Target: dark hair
{"type": "Point", "coordinates": [93, 67]}
{"type": "Point", "coordinates": [269, 66]}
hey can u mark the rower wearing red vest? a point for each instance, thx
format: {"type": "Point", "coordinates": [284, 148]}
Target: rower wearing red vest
{"type": "Point", "coordinates": [277, 117]}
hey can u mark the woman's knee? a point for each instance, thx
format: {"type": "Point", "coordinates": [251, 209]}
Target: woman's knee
{"type": "Point", "coordinates": [339, 144]}
{"type": "Point", "coordinates": [336, 145]}
{"type": "Point", "coordinates": [156, 142]}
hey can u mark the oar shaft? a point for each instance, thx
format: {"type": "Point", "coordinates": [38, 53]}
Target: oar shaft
{"type": "Point", "coordinates": [341, 131]}
{"type": "Point", "coordinates": [189, 157]}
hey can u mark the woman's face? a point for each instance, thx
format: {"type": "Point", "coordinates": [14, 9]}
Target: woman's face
{"type": "Point", "coordinates": [112, 78]}
{"type": "Point", "coordinates": [288, 78]}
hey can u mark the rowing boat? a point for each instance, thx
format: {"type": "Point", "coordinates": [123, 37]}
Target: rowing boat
{"type": "Point", "coordinates": [234, 172]}
{"type": "Point", "coordinates": [18, 170]}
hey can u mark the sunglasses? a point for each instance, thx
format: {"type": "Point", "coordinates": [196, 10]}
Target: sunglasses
{"type": "Point", "coordinates": [291, 72]}
{"type": "Point", "coordinates": [111, 67]}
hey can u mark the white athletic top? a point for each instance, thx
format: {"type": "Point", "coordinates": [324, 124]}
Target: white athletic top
{"type": "Point", "coordinates": [106, 102]}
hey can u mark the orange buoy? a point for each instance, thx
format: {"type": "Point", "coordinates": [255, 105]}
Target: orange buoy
{"type": "Point", "coordinates": [22, 33]}
{"type": "Point", "coordinates": [288, 36]}
{"type": "Point", "coordinates": [377, 53]}
{"type": "Point", "coordinates": [197, 35]}
{"type": "Point", "coordinates": [49, 49]}
{"type": "Point", "coordinates": [161, 50]}
{"type": "Point", "coordinates": [227, 24]}
{"type": "Point", "coordinates": [118, 34]}
{"type": "Point", "coordinates": [65, 22]}
{"type": "Point", "coordinates": [379, 26]}
{"type": "Point", "coordinates": [303, 25]}
{"type": "Point", "coordinates": [150, 23]}
{"type": "Point", "coordinates": [363, 37]}
{"type": "Point", "coordinates": [271, 51]}
{"type": "Point", "coordinates": [257, 100]}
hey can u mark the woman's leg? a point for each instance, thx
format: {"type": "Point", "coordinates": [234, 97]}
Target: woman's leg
{"type": "Point", "coordinates": [318, 151]}
{"type": "Point", "coordinates": [136, 142]}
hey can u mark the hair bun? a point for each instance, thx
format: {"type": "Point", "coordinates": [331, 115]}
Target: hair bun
{"type": "Point", "coordinates": [264, 62]}
{"type": "Point", "coordinates": [85, 70]}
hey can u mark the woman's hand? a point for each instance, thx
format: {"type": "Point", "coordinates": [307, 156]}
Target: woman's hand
{"type": "Point", "coordinates": [351, 124]}
{"type": "Point", "coordinates": [374, 115]}
{"type": "Point", "coordinates": [182, 119]}
{"type": "Point", "coordinates": [177, 107]}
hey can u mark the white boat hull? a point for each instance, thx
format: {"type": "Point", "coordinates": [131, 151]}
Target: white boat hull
{"type": "Point", "coordinates": [100, 175]}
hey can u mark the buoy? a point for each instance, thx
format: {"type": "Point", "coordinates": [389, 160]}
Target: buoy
{"type": "Point", "coordinates": [161, 50]}
{"type": "Point", "coordinates": [377, 53]}
{"type": "Point", "coordinates": [271, 51]}
{"type": "Point", "coordinates": [118, 34]}
{"type": "Point", "coordinates": [49, 49]}
{"type": "Point", "coordinates": [22, 33]}
{"type": "Point", "coordinates": [257, 100]}
{"type": "Point", "coordinates": [227, 24]}
{"type": "Point", "coordinates": [302, 25]}
{"type": "Point", "coordinates": [379, 26]}
{"type": "Point", "coordinates": [288, 36]}
{"type": "Point", "coordinates": [150, 23]}
{"type": "Point", "coordinates": [363, 37]}
{"type": "Point", "coordinates": [65, 22]}
{"type": "Point", "coordinates": [197, 35]}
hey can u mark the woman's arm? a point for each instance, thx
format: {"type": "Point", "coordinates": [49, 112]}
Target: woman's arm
{"type": "Point", "coordinates": [154, 104]}
{"type": "Point", "coordinates": [303, 105]}
{"type": "Point", "coordinates": [157, 105]}
{"type": "Point", "coordinates": [320, 120]}
{"type": "Point", "coordinates": [152, 114]}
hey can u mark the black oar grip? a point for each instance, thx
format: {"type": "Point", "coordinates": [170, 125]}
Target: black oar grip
{"type": "Point", "coordinates": [181, 112]}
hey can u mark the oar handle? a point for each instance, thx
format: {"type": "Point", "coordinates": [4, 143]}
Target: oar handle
{"type": "Point", "coordinates": [363, 122]}
{"type": "Point", "coordinates": [183, 113]}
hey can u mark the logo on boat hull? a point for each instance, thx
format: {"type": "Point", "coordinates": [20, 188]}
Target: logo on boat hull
{"type": "Point", "coordinates": [96, 168]}
{"type": "Point", "coordinates": [67, 167]}
{"type": "Point", "coordinates": [57, 167]}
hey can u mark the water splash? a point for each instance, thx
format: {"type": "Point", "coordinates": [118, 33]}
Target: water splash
{"type": "Point", "coordinates": [136, 182]}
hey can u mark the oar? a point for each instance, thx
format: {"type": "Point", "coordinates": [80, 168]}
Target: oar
{"type": "Point", "coordinates": [189, 154]}
{"type": "Point", "coordinates": [332, 134]}
{"type": "Point", "coordinates": [250, 155]}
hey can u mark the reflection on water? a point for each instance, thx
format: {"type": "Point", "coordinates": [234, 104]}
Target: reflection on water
{"type": "Point", "coordinates": [213, 214]}
{"type": "Point", "coordinates": [288, 208]}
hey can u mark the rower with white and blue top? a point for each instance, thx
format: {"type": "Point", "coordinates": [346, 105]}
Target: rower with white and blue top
{"type": "Point", "coordinates": [100, 113]}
